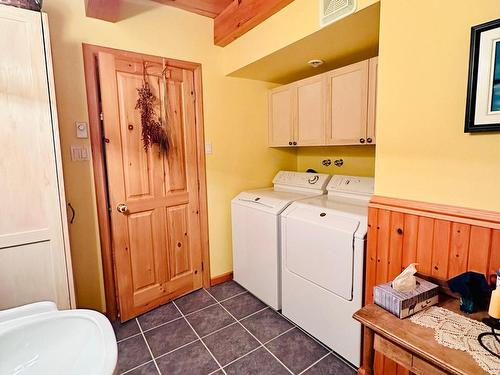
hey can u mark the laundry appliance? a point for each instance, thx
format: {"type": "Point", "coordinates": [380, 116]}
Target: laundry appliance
{"type": "Point", "coordinates": [256, 231]}
{"type": "Point", "coordinates": [323, 247]}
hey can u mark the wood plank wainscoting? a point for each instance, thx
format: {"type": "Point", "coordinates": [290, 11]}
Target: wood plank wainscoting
{"type": "Point", "coordinates": [444, 240]}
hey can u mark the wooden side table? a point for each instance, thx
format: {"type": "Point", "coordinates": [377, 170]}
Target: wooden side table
{"type": "Point", "coordinates": [410, 345]}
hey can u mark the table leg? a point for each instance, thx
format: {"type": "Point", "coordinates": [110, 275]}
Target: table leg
{"type": "Point", "coordinates": [368, 352]}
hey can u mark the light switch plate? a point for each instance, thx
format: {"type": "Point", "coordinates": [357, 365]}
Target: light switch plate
{"type": "Point", "coordinates": [80, 153]}
{"type": "Point", "coordinates": [208, 148]}
{"type": "Point", "coordinates": [82, 129]}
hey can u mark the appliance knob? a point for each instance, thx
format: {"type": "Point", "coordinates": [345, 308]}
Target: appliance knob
{"type": "Point", "coordinates": [362, 140]}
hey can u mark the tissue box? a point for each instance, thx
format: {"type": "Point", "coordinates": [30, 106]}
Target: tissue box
{"type": "Point", "coordinates": [404, 304]}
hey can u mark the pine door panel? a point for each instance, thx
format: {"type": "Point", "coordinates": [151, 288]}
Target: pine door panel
{"type": "Point", "coordinates": [156, 242]}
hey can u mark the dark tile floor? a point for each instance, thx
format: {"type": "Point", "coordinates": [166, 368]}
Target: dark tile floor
{"type": "Point", "coordinates": [221, 330]}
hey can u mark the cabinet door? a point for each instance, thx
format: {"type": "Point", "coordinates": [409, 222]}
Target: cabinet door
{"type": "Point", "coordinates": [311, 111]}
{"type": "Point", "coordinates": [348, 104]}
{"type": "Point", "coordinates": [281, 116]}
{"type": "Point", "coordinates": [372, 101]}
{"type": "Point", "coordinates": [32, 246]}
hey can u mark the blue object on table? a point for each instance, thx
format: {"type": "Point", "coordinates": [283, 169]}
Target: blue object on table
{"type": "Point", "coordinates": [473, 289]}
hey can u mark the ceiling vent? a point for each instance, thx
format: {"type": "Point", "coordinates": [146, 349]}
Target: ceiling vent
{"type": "Point", "coordinates": [333, 10]}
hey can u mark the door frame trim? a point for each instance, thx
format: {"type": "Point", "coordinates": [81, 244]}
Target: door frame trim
{"type": "Point", "coordinates": [90, 53]}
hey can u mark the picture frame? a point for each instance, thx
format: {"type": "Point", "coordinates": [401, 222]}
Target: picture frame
{"type": "Point", "coordinates": [483, 92]}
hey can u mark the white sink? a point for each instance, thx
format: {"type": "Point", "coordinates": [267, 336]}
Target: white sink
{"type": "Point", "coordinates": [39, 339]}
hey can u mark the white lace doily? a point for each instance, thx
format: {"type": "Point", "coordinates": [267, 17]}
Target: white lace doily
{"type": "Point", "coordinates": [459, 332]}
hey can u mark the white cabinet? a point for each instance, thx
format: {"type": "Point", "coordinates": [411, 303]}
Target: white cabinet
{"type": "Point", "coordinates": [334, 108]}
{"type": "Point", "coordinates": [348, 104]}
{"type": "Point", "coordinates": [35, 261]}
{"type": "Point", "coordinates": [372, 100]}
{"type": "Point", "coordinates": [311, 111]}
{"type": "Point", "coordinates": [297, 113]}
{"type": "Point", "coordinates": [281, 116]}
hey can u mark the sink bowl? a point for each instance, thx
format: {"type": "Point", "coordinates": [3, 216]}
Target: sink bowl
{"type": "Point", "coordinates": [39, 339]}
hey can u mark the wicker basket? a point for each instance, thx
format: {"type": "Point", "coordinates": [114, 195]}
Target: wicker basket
{"type": "Point", "coordinates": [26, 4]}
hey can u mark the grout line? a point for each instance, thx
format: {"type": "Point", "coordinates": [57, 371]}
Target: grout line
{"type": "Point", "coordinates": [254, 313]}
{"type": "Point", "coordinates": [135, 368]}
{"type": "Point", "coordinates": [251, 334]}
{"type": "Point", "coordinates": [147, 344]}
{"type": "Point", "coordinates": [228, 298]}
{"type": "Point", "coordinates": [174, 350]}
{"type": "Point", "coordinates": [281, 334]}
{"type": "Point", "coordinates": [319, 360]}
{"type": "Point", "coordinates": [244, 355]}
{"type": "Point", "coordinates": [218, 330]}
{"type": "Point", "coordinates": [196, 333]}
{"type": "Point", "coordinates": [305, 332]}
{"type": "Point", "coordinates": [128, 337]}
{"type": "Point", "coordinates": [162, 324]}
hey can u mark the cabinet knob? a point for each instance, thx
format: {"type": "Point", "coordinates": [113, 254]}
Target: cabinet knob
{"type": "Point", "coordinates": [369, 140]}
{"type": "Point", "coordinates": [290, 143]}
{"type": "Point", "coordinates": [362, 140]}
{"type": "Point", "coordinates": [295, 143]}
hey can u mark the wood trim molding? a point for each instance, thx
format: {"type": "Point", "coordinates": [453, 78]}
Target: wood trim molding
{"type": "Point", "coordinates": [228, 276]}
{"type": "Point", "coordinates": [243, 15]}
{"type": "Point", "coordinates": [106, 10]}
{"type": "Point", "coordinates": [90, 53]}
{"type": "Point", "coordinates": [485, 218]}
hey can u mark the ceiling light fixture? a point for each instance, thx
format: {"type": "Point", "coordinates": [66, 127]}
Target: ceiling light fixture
{"type": "Point", "coordinates": [315, 63]}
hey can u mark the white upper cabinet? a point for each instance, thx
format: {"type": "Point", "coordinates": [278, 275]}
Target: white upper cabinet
{"type": "Point", "coordinates": [348, 104]}
{"type": "Point", "coordinates": [372, 100]}
{"type": "Point", "coordinates": [311, 111]}
{"type": "Point", "coordinates": [281, 116]}
{"type": "Point", "coordinates": [334, 108]}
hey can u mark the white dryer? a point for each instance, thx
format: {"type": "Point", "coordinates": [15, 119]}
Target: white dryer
{"type": "Point", "coordinates": [256, 231]}
{"type": "Point", "coordinates": [323, 247]}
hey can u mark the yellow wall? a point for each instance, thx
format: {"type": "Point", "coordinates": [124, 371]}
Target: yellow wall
{"type": "Point", "coordinates": [422, 151]}
{"type": "Point", "coordinates": [292, 23]}
{"type": "Point", "coordinates": [358, 160]}
{"type": "Point", "coordinates": [235, 121]}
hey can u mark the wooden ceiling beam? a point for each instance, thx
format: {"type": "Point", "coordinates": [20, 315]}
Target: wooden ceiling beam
{"type": "Point", "coordinates": [106, 10]}
{"type": "Point", "coordinates": [209, 8]}
{"type": "Point", "coordinates": [243, 15]}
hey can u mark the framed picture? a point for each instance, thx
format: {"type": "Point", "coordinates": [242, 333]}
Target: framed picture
{"type": "Point", "coordinates": [483, 93]}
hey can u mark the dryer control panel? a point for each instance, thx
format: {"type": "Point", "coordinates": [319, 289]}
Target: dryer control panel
{"type": "Point", "coordinates": [351, 185]}
{"type": "Point", "coordinates": [301, 180]}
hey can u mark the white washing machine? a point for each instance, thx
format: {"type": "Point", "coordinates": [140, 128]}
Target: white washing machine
{"type": "Point", "coordinates": [256, 231]}
{"type": "Point", "coordinates": [323, 247]}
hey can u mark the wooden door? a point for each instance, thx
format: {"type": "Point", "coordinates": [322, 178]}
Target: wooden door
{"type": "Point", "coordinates": [372, 101]}
{"type": "Point", "coordinates": [35, 262]}
{"type": "Point", "coordinates": [311, 111]}
{"type": "Point", "coordinates": [348, 105]}
{"type": "Point", "coordinates": [156, 241]}
{"type": "Point", "coordinates": [281, 116]}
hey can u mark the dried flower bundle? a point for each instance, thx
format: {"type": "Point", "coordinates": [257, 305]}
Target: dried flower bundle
{"type": "Point", "coordinates": [152, 130]}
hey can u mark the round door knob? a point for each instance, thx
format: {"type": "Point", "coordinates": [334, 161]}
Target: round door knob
{"type": "Point", "coordinates": [290, 143]}
{"type": "Point", "coordinates": [362, 140]}
{"type": "Point", "coordinates": [295, 143]}
{"type": "Point", "coordinates": [122, 208]}
{"type": "Point", "coordinates": [369, 140]}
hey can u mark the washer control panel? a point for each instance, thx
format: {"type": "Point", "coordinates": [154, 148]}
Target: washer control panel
{"type": "Point", "coordinates": [316, 181]}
